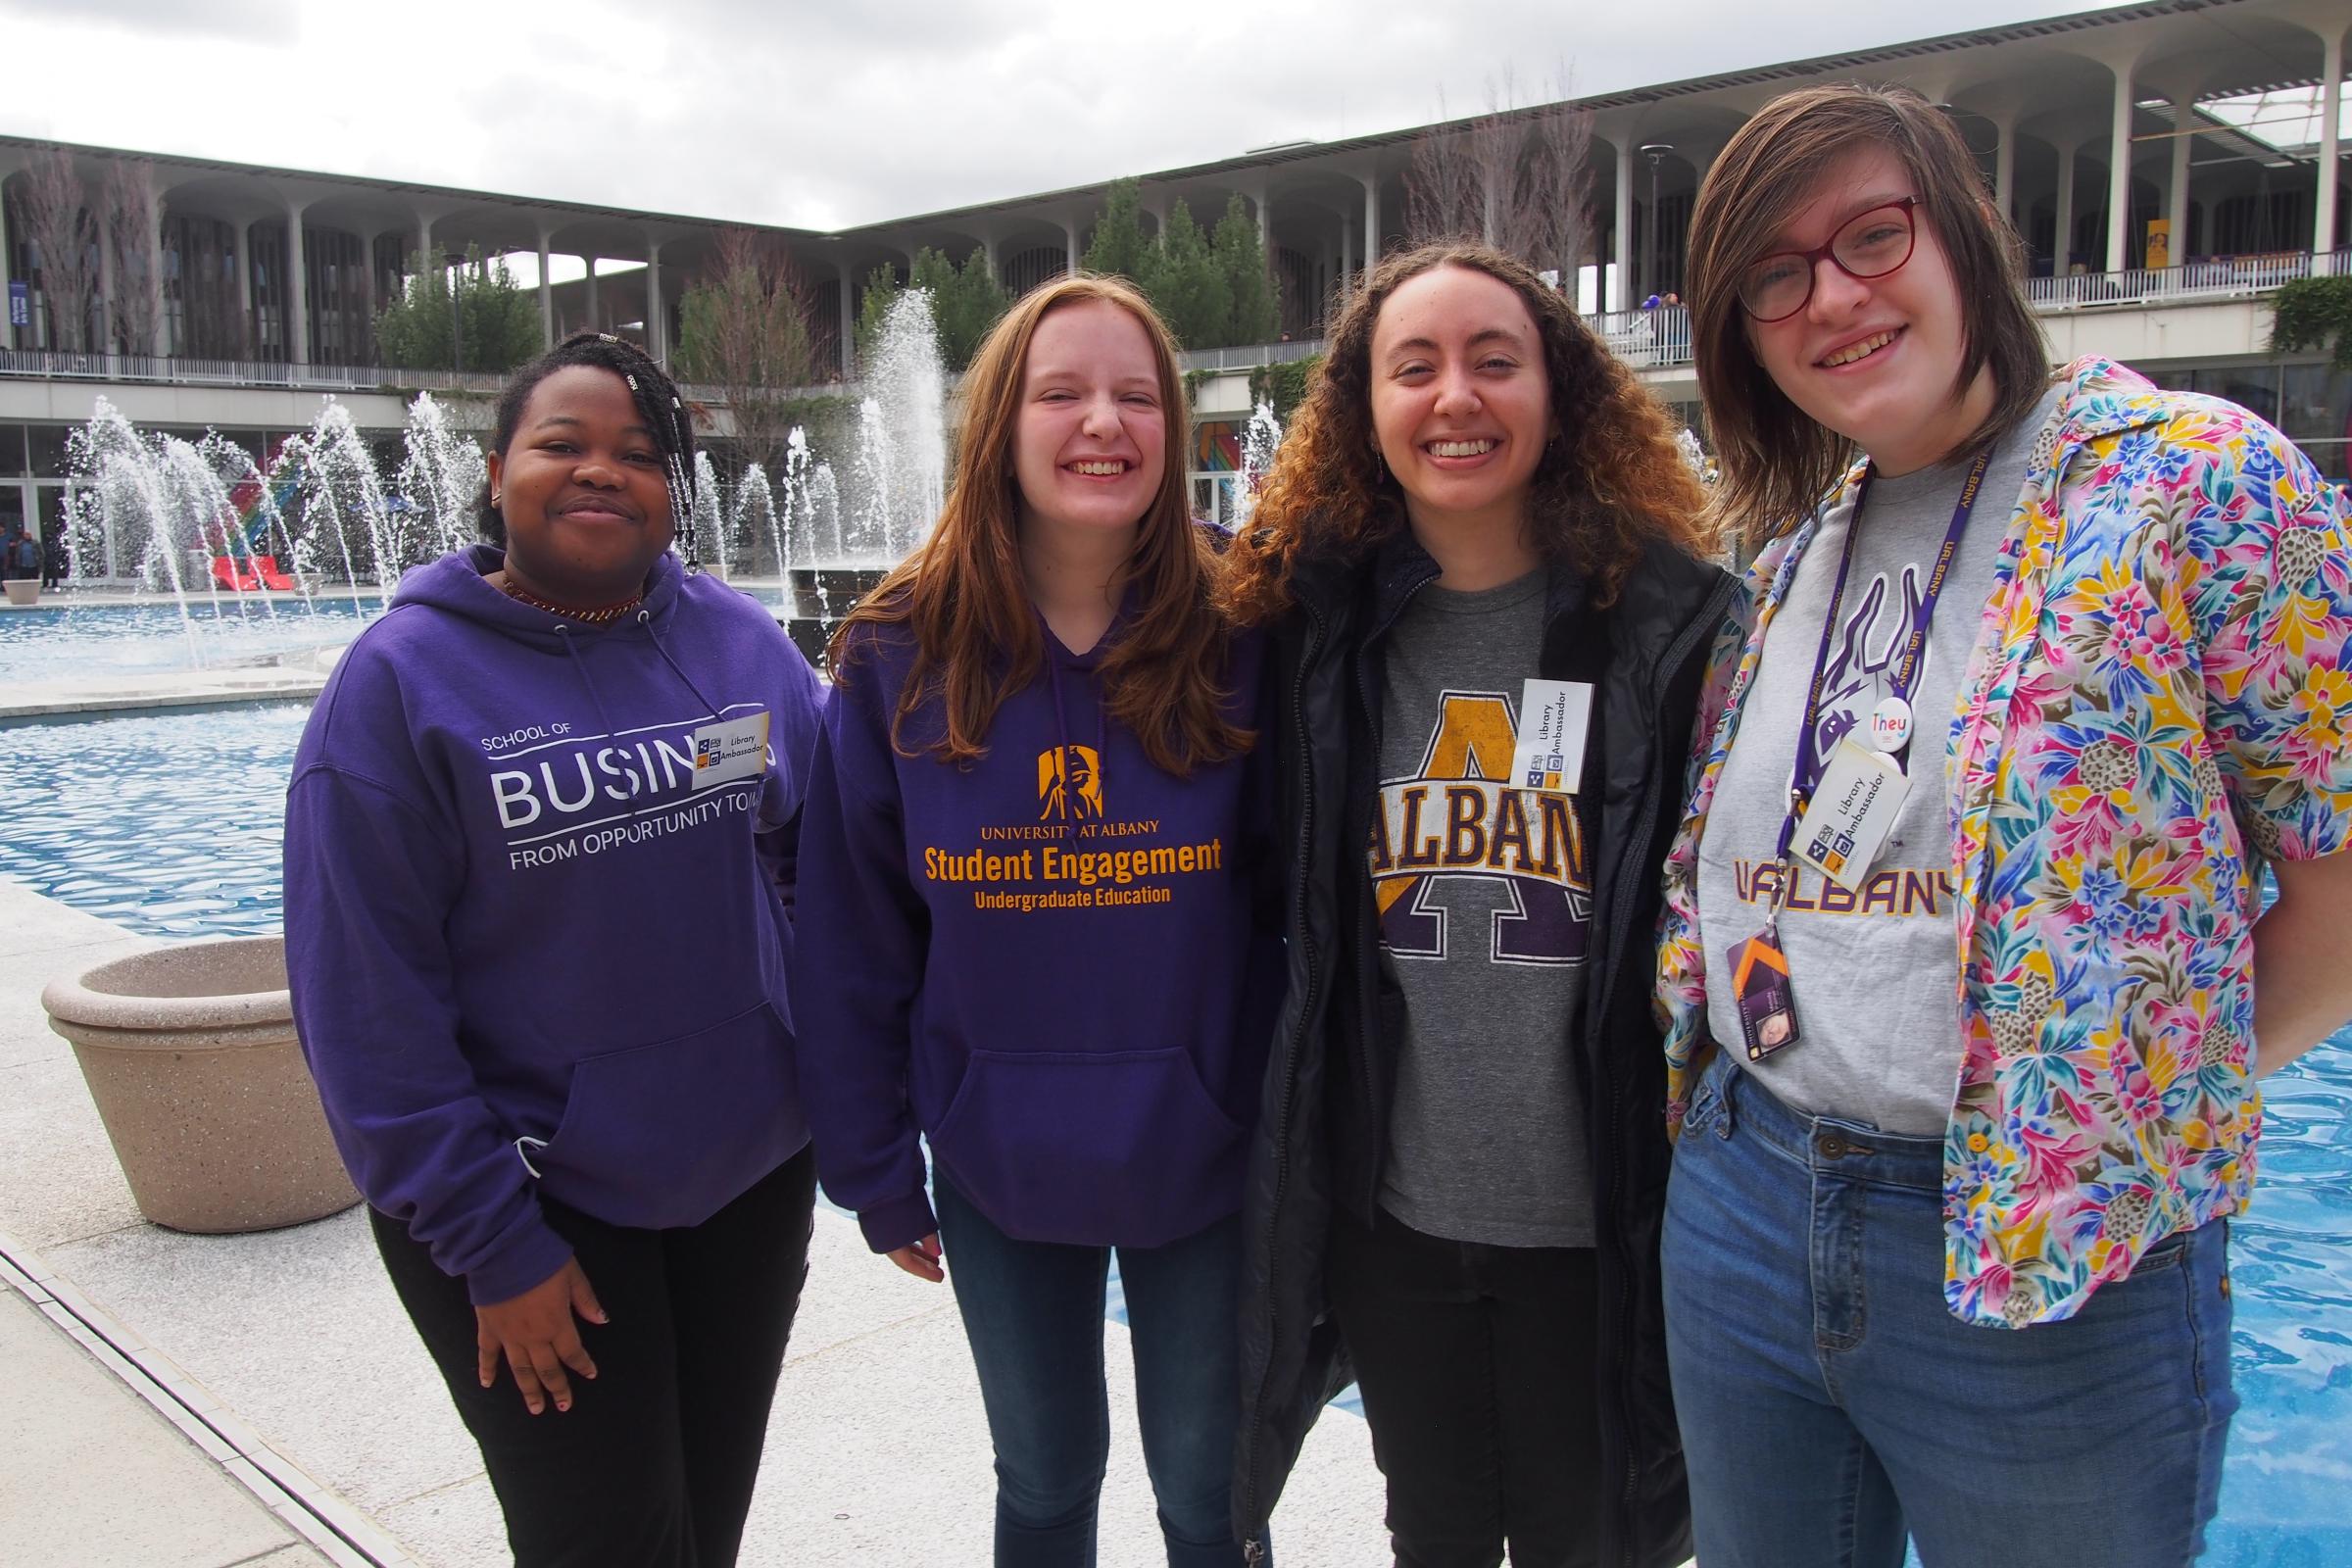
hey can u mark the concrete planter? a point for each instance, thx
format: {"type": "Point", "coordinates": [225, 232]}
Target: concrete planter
{"type": "Point", "coordinates": [189, 1051]}
{"type": "Point", "coordinates": [23, 590]}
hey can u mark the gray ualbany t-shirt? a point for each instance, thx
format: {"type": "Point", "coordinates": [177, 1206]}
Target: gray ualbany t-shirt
{"type": "Point", "coordinates": [1875, 971]}
{"type": "Point", "coordinates": [1484, 893]}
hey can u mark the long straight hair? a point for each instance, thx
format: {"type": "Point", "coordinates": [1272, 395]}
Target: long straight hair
{"type": "Point", "coordinates": [965, 599]}
{"type": "Point", "coordinates": [1776, 461]}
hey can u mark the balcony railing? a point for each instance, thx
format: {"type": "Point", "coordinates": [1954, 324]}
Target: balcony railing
{"type": "Point", "coordinates": [2218, 277]}
{"type": "Point", "coordinates": [1653, 339]}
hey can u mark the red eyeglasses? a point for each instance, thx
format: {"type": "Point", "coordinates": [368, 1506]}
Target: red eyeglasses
{"type": "Point", "coordinates": [1866, 245]}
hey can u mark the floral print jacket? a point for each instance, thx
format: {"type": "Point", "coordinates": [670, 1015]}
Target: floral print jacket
{"type": "Point", "coordinates": [2159, 700]}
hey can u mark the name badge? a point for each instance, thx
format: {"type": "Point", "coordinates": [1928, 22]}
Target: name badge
{"type": "Point", "coordinates": [1766, 1002]}
{"type": "Point", "coordinates": [1850, 814]}
{"type": "Point", "coordinates": [1553, 716]}
{"type": "Point", "coordinates": [729, 749]}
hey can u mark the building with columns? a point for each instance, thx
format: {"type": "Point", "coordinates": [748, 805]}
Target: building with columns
{"type": "Point", "coordinates": [2136, 149]}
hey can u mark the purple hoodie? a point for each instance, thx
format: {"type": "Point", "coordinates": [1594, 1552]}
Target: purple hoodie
{"type": "Point", "coordinates": [532, 946]}
{"type": "Point", "coordinates": [1057, 964]}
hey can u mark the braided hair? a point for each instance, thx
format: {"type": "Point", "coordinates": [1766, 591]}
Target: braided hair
{"type": "Point", "coordinates": [657, 403]}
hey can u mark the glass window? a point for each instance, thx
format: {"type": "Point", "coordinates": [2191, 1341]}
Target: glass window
{"type": "Point", "coordinates": [2318, 404]}
{"type": "Point", "coordinates": [2250, 386]}
{"type": "Point", "coordinates": [48, 443]}
{"type": "Point", "coordinates": [13, 459]}
{"type": "Point", "coordinates": [2333, 457]}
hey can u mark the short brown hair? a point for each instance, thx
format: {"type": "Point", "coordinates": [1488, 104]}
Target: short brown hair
{"type": "Point", "coordinates": [1776, 462]}
{"type": "Point", "coordinates": [964, 598]}
{"type": "Point", "coordinates": [1611, 484]}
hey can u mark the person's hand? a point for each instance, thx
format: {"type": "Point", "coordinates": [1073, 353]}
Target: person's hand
{"type": "Point", "coordinates": [535, 1333]}
{"type": "Point", "coordinates": [920, 1259]}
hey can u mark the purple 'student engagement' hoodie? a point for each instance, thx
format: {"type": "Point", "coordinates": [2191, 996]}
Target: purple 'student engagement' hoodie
{"type": "Point", "coordinates": [1057, 964]}
{"type": "Point", "coordinates": [536, 917]}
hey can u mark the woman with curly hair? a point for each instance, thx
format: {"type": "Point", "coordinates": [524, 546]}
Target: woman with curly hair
{"type": "Point", "coordinates": [1490, 612]}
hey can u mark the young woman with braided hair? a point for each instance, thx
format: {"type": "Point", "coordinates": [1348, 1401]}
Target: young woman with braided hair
{"type": "Point", "coordinates": [1478, 557]}
{"type": "Point", "coordinates": [539, 877]}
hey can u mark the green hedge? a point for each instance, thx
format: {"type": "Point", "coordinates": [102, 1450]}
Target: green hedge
{"type": "Point", "coordinates": [2313, 313]}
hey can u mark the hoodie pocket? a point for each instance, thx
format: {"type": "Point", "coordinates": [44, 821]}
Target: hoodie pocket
{"type": "Point", "coordinates": [667, 1134]}
{"type": "Point", "coordinates": [1091, 1148]}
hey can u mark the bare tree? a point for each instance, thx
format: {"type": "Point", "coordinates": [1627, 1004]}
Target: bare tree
{"type": "Point", "coordinates": [134, 229]}
{"type": "Point", "coordinates": [744, 331]}
{"type": "Point", "coordinates": [1552, 213]}
{"type": "Point", "coordinates": [1442, 196]}
{"type": "Point", "coordinates": [60, 226]}
{"type": "Point", "coordinates": [1516, 178]}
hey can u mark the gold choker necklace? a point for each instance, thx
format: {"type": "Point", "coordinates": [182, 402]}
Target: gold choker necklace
{"type": "Point", "coordinates": [586, 617]}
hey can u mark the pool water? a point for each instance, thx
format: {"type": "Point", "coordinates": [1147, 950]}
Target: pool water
{"type": "Point", "coordinates": [172, 825]}
{"type": "Point", "coordinates": [62, 642]}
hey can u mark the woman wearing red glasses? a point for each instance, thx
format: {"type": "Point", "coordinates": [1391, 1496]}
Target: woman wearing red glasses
{"type": "Point", "coordinates": [1964, 983]}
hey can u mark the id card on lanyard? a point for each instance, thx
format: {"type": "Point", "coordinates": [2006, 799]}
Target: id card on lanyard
{"type": "Point", "coordinates": [1842, 807]}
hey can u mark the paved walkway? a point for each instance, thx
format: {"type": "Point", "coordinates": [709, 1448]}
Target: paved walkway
{"type": "Point", "coordinates": [261, 1399]}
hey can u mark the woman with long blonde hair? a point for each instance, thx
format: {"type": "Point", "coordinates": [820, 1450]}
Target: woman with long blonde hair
{"type": "Point", "coordinates": [1029, 932]}
{"type": "Point", "coordinates": [1477, 554]}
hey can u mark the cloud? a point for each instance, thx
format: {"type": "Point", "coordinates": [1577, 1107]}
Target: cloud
{"type": "Point", "coordinates": [826, 115]}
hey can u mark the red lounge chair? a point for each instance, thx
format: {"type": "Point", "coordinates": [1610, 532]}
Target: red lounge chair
{"type": "Point", "coordinates": [234, 575]}
{"type": "Point", "coordinates": [265, 569]}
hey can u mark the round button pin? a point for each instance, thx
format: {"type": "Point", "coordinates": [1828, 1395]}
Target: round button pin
{"type": "Point", "coordinates": [1890, 724]}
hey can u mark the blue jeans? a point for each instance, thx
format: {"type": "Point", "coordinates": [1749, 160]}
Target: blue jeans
{"type": "Point", "coordinates": [1033, 1311]}
{"type": "Point", "coordinates": [1830, 1404]}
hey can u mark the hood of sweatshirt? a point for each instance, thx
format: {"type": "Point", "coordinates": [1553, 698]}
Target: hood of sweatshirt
{"type": "Point", "coordinates": [536, 917]}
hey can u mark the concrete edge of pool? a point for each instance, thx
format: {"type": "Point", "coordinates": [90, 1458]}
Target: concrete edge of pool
{"type": "Point", "coordinates": [291, 1341]}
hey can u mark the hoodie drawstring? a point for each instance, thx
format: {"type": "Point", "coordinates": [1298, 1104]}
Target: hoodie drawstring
{"type": "Point", "coordinates": [571, 646]}
{"type": "Point", "coordinates": [645, 618]}
{"type": "Point", "coordinates": [1061, 735]}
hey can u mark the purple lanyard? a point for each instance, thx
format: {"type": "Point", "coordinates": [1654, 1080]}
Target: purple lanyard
{"type": "Point", "coordinates": [1809, 761]}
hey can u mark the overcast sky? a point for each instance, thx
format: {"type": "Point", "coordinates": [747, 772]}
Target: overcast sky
{"type": "Point", "coordinates": [827, 116]}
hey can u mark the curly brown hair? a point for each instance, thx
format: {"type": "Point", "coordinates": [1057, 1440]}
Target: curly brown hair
{"type": "Point", "coordinates": [1613, 482]}
{"type": "Point", "coordinates": [967, 602]}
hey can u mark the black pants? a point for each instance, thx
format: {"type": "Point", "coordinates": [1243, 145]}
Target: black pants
{"type": "Point", "coordinates": [1478, 1367]}
{"type": "Point", "coordinates": [652, 1465]}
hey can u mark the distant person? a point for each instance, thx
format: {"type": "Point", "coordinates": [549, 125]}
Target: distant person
{"type": "Point", "coordinates": [54, 564]}
{"type": "Point", "coordinates": [19, 557]}
{"type": "Point", "coordinates": [1032, 929]}
{"type": "Point", "coordinates": [1966, 969]}
{"type": "Point", "coordinates": [539, 850]}
{"type": "Point", "coordinates": [1478, 556]}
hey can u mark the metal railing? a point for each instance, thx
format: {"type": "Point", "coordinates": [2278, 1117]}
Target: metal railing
{"type": "Point", "coordinates": [2214, 278]}
{"type": "Point", "coordinates": [1658, 338]}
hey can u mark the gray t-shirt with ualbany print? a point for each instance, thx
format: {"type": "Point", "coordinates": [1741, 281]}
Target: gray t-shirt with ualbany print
{"type": "Point", "coordinates": [1875, 971]}
{"type": "Point", "coordinates": [1484, 893]}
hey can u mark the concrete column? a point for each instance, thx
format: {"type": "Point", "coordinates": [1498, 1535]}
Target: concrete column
{"type": "Point", "coordinates": [849, 323]}
{"type": "Point", "coordinates": [367, 239]}
{"type": "Point", "coordinates": [1371, 184]}
{"type": "Point", "coordinates": [2119, 170]}
{"type": "Point", "coordinates": [596, 320]}
{"type": "Point", "coordinates": [1069, 230]}
{"type": "Point", "coordinates": [155, 274]}
{"type": "Point", "coordinates": [1347, 256]}
{"type": "Point", "coordinates": [2005, 167]}
{"type": "Point", "coordinates": [2062, 245]}
{"type": "Point", "coordinates": [250, 338]}
{"type": "Point", "coordinates": [2331, 111]}
{"type": "Point", "coordinates": [2176, 204]}
{"type": "Point", "coordinates": [988, 253]}
{"type": "Point", "coordinates": [8, 269]}
{"type": "Point", "coordinates": [1625, 298]}
{"type": "Point", "coordinates": [105, 343]}
{"type": "Point", "coordinates": [547, 298]}
{"type": "Point", "coordinates": [424, 233]}
{"type": "Point", "coordinates": [657, 325]}
{"type": "Point", "coordinates": [1265, 230]}
{"type": "Point", "coordinates": [297, 288]}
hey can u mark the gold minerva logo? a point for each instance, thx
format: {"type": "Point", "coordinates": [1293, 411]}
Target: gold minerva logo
{"type": "Point", "coordinates": [1070, 784]}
